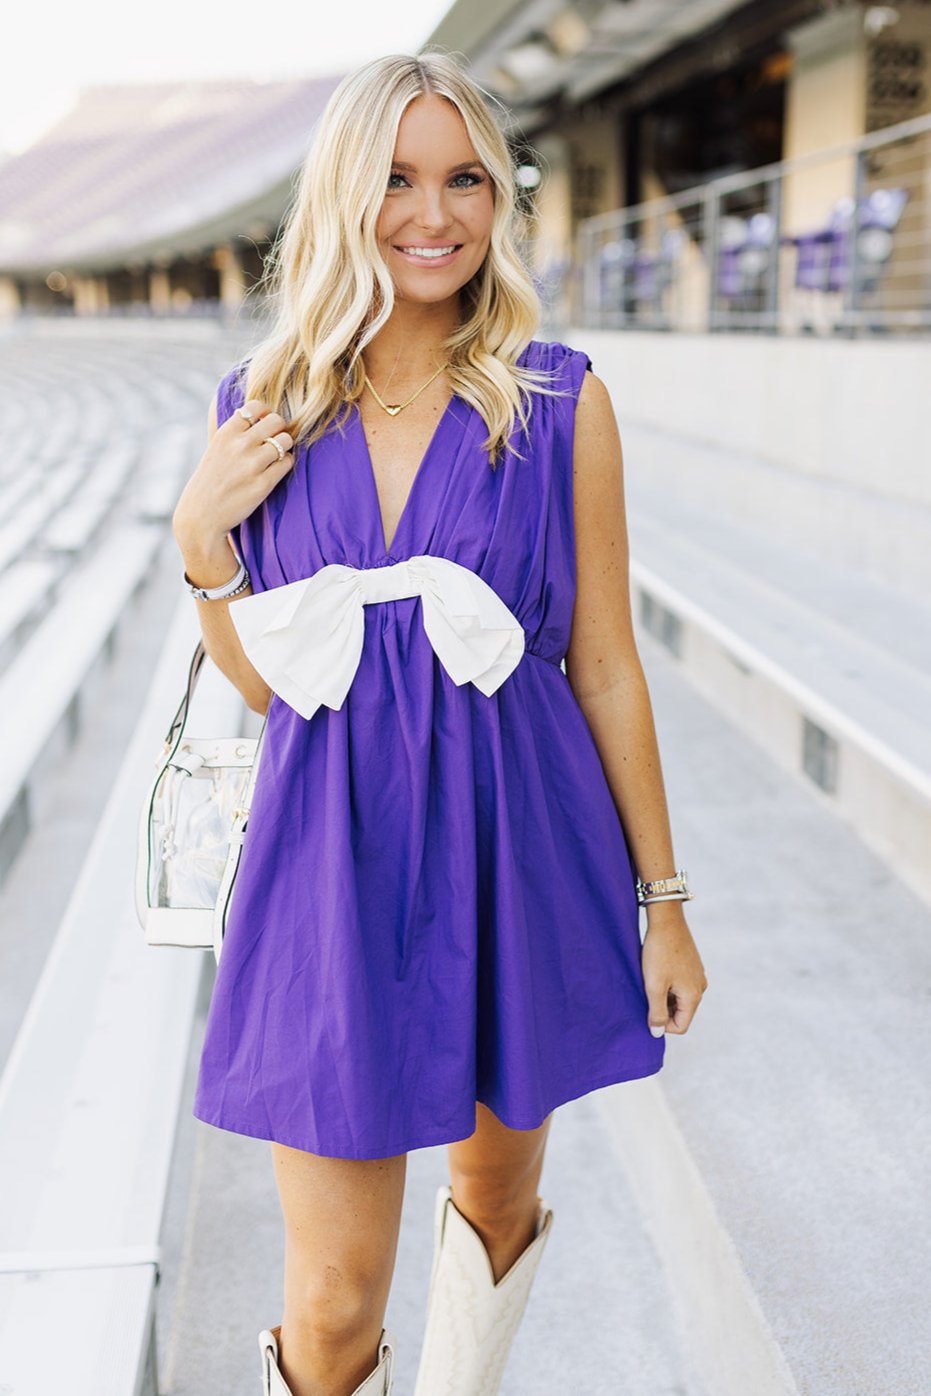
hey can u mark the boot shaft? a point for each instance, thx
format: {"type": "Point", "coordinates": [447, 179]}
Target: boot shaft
{"type": "Point", "coordinates": [379, 1382]}
{"type": "Point", "coordinates": [471, 1319]}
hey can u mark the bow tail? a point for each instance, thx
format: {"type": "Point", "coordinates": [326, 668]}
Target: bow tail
{"type": "Point", "coordinates": [470, 651]}
{"type": "Point", "coordinates": [311, 659]}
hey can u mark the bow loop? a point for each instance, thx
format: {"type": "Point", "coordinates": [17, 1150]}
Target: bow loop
{"type": "Point", "coordinates": [305, 638]}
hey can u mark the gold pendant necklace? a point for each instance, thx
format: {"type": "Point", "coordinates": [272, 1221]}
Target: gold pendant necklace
{"type": "Point", "coordinates": [394, 408]}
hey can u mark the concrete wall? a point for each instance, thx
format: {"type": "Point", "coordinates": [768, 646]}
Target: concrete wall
{"type": "Point", "coordinates": [828, 441]}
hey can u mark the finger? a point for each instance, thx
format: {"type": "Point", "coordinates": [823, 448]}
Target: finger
{"type": "Point", "coordinates": [266, 430]}
{"type": "Point", "coordinates": [658, 1011]}
{"type": "Point", "coordinates": [271, 475]}
{"type": "Point", "coordinates": [272, 456]}
{"type": "Point", "coordinates": [683, 1013]}
{"type": "Point", "coordinates": [268, 424]}
{"type": "Point", "coordinates": [253, 407]}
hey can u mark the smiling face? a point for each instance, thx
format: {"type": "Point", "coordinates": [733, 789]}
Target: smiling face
{"type": "Point", "coordinates": [435, 224]}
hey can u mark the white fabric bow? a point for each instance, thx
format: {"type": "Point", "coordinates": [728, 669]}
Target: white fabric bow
{"type": "Point", "coordinates": [305, 638]}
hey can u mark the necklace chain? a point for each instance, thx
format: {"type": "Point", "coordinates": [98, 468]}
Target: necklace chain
{"type": "Point", "coordinates": [394, 408]}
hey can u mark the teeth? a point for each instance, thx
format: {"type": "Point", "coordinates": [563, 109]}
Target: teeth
{"type": "Point", "coordinates": [430, 251]}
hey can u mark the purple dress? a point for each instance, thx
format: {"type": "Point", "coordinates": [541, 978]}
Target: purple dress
{"type": "Point", "coordinates": [436, 902]}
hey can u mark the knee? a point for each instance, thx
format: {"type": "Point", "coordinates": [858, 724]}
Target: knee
{"type": "Point", "coordinates": [331, 1307]}
{"type": "Point", "coordinates": [495, 1200]}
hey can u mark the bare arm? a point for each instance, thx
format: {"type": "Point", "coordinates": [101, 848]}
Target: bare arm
{"type": "Point", "coordinates": [231, 480]}
{"type": "Point", "coordinates": [605, 673]}
{"type": "Point", "coordinates": [602, 664]}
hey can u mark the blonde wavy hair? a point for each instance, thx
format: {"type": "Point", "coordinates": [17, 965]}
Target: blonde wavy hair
{"type": "Point", "coordinates": [330, 290]}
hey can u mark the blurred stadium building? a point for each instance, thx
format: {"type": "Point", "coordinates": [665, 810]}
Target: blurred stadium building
{"type": "Point", "coordinates": [153, 197]}
{"type": "Point", "coordinates": [686, 166]}
{"type": "Point", "coordinates": [715, 165]}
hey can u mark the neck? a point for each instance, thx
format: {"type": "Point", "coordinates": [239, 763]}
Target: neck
{"type": "Point", "coordinates": [410, 346]}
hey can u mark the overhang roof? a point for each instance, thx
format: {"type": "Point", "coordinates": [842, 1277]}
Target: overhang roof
{"type": "Point", "coordinates": [155, 171]}
{"type": "Point", "coordinates": [529, 52]}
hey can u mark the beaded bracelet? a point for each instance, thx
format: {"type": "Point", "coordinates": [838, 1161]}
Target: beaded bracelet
{"type": "Point", "coordinates": [228, 589]}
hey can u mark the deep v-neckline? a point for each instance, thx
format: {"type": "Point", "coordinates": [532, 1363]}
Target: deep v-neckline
{"type": "Point", "coordinates": [387, 549]}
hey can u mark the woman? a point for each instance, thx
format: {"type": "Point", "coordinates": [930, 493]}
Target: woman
{"type": "Point", "coordinates": [408, 513]}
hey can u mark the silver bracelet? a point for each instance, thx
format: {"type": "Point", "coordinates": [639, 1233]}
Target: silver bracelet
{"type": "Point", "coordinates": [233, 587]}
{"type": "Point", "coordinates": [664, 889]}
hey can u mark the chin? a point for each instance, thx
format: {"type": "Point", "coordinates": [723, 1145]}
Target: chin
{"type": "Point", "coordinates": [425, 295]}
{"type": "Point", "coordinates": [428, 297]}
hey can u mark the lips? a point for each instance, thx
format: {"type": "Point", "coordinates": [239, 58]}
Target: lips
{"type": "Point", "coordinates": [428, 253]}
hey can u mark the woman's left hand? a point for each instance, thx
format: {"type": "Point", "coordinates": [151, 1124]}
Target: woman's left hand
{"type": "Point", "coordinates": [673, 973]}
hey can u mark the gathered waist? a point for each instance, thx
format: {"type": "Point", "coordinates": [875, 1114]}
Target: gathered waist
{"type": "Point", "coordinates": [547, 658]}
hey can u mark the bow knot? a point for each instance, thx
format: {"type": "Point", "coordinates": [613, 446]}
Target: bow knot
{"type": "Point", "coordinates": [305, 638]}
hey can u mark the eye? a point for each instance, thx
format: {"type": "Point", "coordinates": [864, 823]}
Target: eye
{"type": "Point", "coordinates": [472, 181]}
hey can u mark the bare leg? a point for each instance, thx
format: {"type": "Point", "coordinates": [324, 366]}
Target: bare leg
{"type": "Point", "coordinates": [342, 1219]}
{"type": "Point", "coordinates": [495, 1175]}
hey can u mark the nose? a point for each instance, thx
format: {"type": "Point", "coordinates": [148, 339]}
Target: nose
{"type": "Point", "coordinates": [433, 214]}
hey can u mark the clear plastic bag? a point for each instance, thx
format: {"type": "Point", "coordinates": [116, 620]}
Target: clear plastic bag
{"type": "Point", "coordinates": [192, 831]}
{"type": "Point", "coordinates": [192, 815]}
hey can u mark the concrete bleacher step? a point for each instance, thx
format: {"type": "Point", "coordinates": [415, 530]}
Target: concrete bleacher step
{"type": "Point", "coordinates": [14, 489]}
{"type": "Point", "coordinates": [24, 591]}
{"type": "Point", "coordinates": [75, 788]}
{"type": "Point", "coordinates": [19, 531]}
{"type": "Point", "coordinates": [873, 686]}
{"type": "Point", "coordinates": [893, 618]}
{"type": "Point", "coordinates": [166, 464]}
{"type": "Point", "coordinates": [89, 1098]}
{"type": "Point", "coordinates": [40, 691]}
{"type": "Point", "coordinates": [76, 525]}
{"type": "Point", "coordinates": [81, 519]}
{"type": "Point", "coordinates": [836, 692]}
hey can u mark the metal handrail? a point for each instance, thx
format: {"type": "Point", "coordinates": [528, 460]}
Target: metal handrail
{"type": "Point", "coordinates": [853, 273]}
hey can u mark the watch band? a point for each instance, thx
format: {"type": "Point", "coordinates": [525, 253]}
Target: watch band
{"type": "Point", "coordinates": [665, 888]}
{"type": "Point", "coordinates": [233, 587]}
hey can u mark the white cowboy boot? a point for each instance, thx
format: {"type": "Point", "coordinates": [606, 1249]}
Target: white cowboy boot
{"type": "Point", "coordinates": [377, 1383]}
{"type": "Point", "coordinates": [471, 1321]}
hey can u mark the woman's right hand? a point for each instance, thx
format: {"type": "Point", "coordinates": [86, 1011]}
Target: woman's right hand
{"type": "Point", "coordinates": [239, 468]}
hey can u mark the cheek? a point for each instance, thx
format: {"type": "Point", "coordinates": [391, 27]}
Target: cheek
{"type": "Point", "coordinates": [388, 221]}
{"type": "Point", "coordinates": [481, 216]}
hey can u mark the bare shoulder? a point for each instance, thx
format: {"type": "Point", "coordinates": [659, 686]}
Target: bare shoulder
{"type": "Point", "coordinates": [597, 459]}
{"type": "Point", "coordinates": [595, 410]}
{"type": "Point", "coordinates": [594, 396]}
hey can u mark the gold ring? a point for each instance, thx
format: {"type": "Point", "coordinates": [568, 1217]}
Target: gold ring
{"type": "Point", "coordinates": [277, 446]}
{"type": "Point", "coordinates": [247, 415]}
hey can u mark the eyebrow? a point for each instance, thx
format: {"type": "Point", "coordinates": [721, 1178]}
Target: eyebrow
{"type": "Point", "coordinates": [453, 169]}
